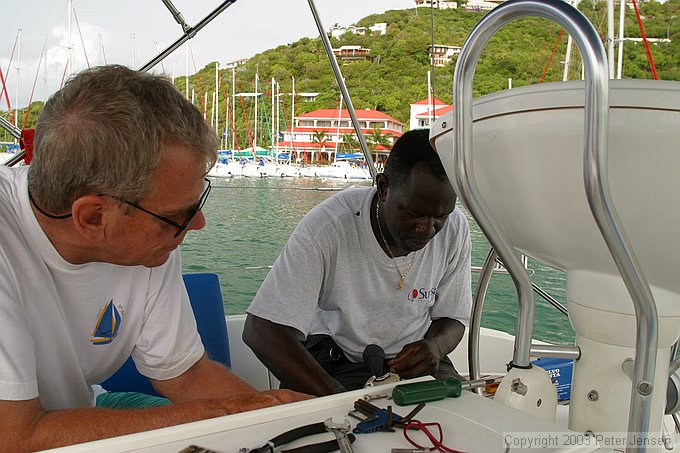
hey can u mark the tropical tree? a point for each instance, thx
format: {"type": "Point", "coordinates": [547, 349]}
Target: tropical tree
{"type": "Point", "coordinates": [375, 139]}
{"type": "Point", "coordinates": [320, 138]}
{"type": "Point", "coordinates": [350, 143]}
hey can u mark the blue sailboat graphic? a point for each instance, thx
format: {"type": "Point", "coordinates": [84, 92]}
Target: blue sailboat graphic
{"type": "Point", "coordinates": [107, 325]}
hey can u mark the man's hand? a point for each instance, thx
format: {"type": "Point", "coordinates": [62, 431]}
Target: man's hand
{"type": "Point", "coordinates": [422, 357]}
{"type": "Point", "coordinates": [416, 359]}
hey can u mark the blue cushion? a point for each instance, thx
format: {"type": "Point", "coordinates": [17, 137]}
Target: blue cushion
{"type": "Point", "coordinates": [205, 295]}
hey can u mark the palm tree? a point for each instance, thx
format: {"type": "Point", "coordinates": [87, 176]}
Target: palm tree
{"type": "Point", "coordinates": [320, 138]}
{"type": "Point", "coordinates": [375, 139]}
{"type": "Point", "coordinates": [350, 143]}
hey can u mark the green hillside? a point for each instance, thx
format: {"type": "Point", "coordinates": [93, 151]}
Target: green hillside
{"type": "Point", "coordinates": [396, 76]}
{"type": "Point", "coordinates": [397, 73]}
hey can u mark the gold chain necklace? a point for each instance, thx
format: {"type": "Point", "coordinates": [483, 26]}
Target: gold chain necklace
{"type": "Point", "coordinates": [402, 276]}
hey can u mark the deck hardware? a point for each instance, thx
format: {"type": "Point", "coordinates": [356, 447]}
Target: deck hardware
{"type": "Point", "coordinates": [593, 395]}
{"type": "Point", "coordinates": [645, 388]}
{"type": "Point", "coordinates": [518, 387]}
{"type": "Point", "coordinates": [387, 378]}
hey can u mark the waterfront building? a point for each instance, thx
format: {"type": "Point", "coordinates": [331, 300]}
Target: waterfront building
{"type": "Point", "coordinates": [323, 133]}
{"type": "Point", "coordinates": [425, 111]}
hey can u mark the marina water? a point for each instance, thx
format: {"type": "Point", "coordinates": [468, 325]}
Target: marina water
{"type": "Point", "coordinates": [248, 220]}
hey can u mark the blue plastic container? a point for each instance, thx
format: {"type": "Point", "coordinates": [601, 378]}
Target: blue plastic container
{"type": "Point", "coordinates": [560, 370]}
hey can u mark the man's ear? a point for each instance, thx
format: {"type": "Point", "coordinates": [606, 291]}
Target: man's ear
{"type": "Point", "coordinates": [381, 184]}
{"type": "Point", "coordinates": [89, 216]}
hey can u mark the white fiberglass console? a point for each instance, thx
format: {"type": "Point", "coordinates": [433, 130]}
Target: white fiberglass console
{"type": "Point", "coordinates": [528, 163]}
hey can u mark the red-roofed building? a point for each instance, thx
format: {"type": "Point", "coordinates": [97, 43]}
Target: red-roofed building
{"type": "Point", "coordinates": [324, 131]}
{"type": "Point", "coordinates": [422, 112]}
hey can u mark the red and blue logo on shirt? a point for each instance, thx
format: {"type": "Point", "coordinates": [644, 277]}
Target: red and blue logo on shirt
{"type": "Point", "coordinates": [422, 294]}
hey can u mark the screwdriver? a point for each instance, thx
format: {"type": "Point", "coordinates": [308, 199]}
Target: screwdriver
{"type": "Point", "coordinates": [423, 392]}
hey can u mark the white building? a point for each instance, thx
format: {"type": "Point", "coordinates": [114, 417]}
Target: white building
{"type": "Point", "coordinates": [333, 126]}
{"type": "Point", "coordinates": [441, 4]}
{"type": "Point", "coordinates": [337, 31]}
{"type": "Point", "coordinates": [352, 53]}
{"type": "Point", "coordinates": [441, 55]}
{"type": "Point", "coordinates": [422, 113]}
{"type": "Point", "coordinates": [481, 5]}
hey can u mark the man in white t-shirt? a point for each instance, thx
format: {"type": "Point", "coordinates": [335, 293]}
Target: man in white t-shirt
{"type": "Point", "coordinates": [90, 268]}
{"type": "Point", "coordinates": [386, 266]}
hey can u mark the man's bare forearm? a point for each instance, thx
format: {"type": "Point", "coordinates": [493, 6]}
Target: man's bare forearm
{"type": "Point", "coordinates": [278, 347]}
{"type": "Point", "coordinates": [445, 334]}
{"type": "Point", "coordinates": [32, 429]}
{"type": "Point", "coordinates": [205, 379]}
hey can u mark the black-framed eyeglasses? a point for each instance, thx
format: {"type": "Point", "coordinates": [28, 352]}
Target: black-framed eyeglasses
{"type": "Point", "coordinates": [190, 214]}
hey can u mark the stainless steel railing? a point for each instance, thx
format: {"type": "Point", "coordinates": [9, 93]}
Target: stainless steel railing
{"type": "Point", "coordinates": [595, 180]}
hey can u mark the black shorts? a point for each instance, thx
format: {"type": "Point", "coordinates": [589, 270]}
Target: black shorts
{"type": "Point", "coordinates": [354, 375]}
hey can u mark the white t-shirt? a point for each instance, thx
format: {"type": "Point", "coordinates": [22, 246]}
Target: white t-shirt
{"type": "Point", "coordinates": [66, 327]}
{"type": "Point", "coordinates": [333, 278]}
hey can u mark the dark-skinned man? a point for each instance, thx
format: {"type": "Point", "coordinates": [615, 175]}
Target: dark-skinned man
{"type": "Point", "coordinates": [386, 265]}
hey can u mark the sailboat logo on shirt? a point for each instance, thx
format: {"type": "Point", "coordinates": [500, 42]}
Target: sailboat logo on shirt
{"type": "Point", "coordinates": [107, 325]}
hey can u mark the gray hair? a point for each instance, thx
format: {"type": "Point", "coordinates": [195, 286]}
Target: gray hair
{"type": "Point", "coordinates": [104, 132]}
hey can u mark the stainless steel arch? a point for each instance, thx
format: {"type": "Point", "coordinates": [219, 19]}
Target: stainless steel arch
{"type": "Point", "coordinates": [595, 180]}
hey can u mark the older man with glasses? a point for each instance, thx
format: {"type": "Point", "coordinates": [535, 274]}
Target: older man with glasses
{"type": "Point", "coordinates": [92, 227]}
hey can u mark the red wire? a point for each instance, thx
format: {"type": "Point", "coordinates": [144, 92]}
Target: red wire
{"type": "Point", "coordinates": [245, 117]}
{"type": "Point", "coordinates": [655, 76]}
{"type": "Point", "coordinates": [63, 75]}
{"type": "Point", "coordinates": [11, 56]}
{"type": "Point", "coordinates": [231, 119]}
{"type": "Point", "coordinates": [437, 445]}
{"type": "Point", "coordinates": [198, 83]}
{"type": "Point", "coordinates": [4, 91]}
{"type": "Point", "coordinates": [559, 37]}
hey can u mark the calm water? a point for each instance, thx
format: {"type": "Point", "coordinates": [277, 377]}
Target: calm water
{"type": "Point", "coordinates": [250, 219]}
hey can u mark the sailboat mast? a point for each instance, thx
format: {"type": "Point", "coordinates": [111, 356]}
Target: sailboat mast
{"type": "Point", "coordinates": [610, 37]}
{"type": "Point", "coordinates": [233, 106]}
{"type": "Point", "coordinates": [337, 130]}
{"type": "Point", "coordinates": [272, 124]}
{"type": "Point", "coordinates": [429, 101]}
{"type": "Point", "coordinates": [69, 59]}
{"type": "Point", "coordinates": [622, 14]}
{"type": "Point", "coordinates": [567, 58]}
{"type": "Point", "coordinates": [134, 50]}
{"type": "Point", "coordinates": [217, 100]}
{"type": "Point", "coordinates": [292, 118]}
{"type": "Point", "coordinates": [18, 67]}
{"type": "Point", "coordinates": [278, 117]}
{"type": "Point", "coordinates": [186, 71]}
{"type": "Point", "coordinates": [255, 127]}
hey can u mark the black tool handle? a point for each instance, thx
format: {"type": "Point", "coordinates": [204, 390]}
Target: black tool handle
{"type": "Point", "coordinates": [297, 433]}
{"type": "Point", "coordinates": [323, 447]}
{"type": "Point", "coordinates": [374, 357]}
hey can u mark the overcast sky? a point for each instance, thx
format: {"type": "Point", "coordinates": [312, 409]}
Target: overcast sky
{"type": "Point", "coordinates": [132, 32]}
